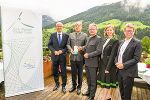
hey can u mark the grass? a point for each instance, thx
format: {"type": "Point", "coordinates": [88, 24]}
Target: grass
{"type": "Point", "coordinates": [137, 24]}
{"type": "Point", "coordinates": [148, 55]}
{"type": "Point", "coordinates": [115, 22]}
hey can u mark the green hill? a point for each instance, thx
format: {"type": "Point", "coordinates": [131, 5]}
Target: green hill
{"type": "Point", "coordinates": [141, 30]}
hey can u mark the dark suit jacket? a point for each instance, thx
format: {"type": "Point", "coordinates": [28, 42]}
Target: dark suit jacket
{"type": "Point", "coordinates": [93, 48]}
{"type": "Point", "coordinates": [53, 45]}
{"type": "Point", "coordinates": [109, 54]}
{"type": "Point", "coordinates": [130, 58]}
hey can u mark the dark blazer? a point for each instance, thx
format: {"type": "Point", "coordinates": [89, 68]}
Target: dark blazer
{"type": "Point", "coordinates": [130, 58]}
{"type": "Point", "coordinates": [109, 53]}
{"type": "Point", "coordinates": [93, 48]}
{"type": "Point", "coordinates": [53, 45]}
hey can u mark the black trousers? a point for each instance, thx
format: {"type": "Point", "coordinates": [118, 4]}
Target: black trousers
{"type": "Point", "coordinates": [77, 68]}
{"type": "Point", "coordinates": [91, 74]}
{"type": "Point", "coordinates": [125, 85]}
{"type": "Point", "coordinates": [62, 63]}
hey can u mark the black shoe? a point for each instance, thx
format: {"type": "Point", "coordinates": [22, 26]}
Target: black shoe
{"type": "Point", "coordinates": [64, 89]}
{"type": "Point", "coordinates": [72, 89]}
{"type": "Point", "coordinates": [87, 93]}
{"type": "Point", "coordinates": [78, 91]}
{"type": "Point", "coordinates": [56, 87]}
{"type": "Point", "coordinates": [90, 98]}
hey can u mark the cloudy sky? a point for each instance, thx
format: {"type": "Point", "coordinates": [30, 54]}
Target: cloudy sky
{"type": "Point", "coordinates": [61, 9]}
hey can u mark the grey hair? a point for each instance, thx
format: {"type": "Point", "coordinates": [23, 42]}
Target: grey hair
{"type": "Point", "coordinates": [129, 25]}
{"type": "Point", "coordinates": [78, 23]}
{"type": "Point", "coordinates": [93, 24]}
{"type": "Point", "coordinates": [59, 23]}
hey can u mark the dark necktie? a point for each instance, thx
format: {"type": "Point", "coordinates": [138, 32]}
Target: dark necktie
{"type": "Point", "coordinates": [59, 39]}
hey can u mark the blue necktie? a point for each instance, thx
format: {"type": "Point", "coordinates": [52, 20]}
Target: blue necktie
{"type": "Point", "coordinates": [59, 39]}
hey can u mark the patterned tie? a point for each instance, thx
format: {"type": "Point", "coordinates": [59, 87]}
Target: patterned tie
{"type": "Point", "coordinates": [59, 39]}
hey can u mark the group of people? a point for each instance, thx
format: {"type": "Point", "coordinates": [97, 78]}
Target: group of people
{"type": "Point", "coordinates": [108, 62]}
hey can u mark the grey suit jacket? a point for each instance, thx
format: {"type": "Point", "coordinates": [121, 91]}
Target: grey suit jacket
{"type": "Point", "coordinates": [130, 58]}
{"type": "Point", "coordinates": [93, 48]}
{"type": "Point", "coordinates": [76, 39]}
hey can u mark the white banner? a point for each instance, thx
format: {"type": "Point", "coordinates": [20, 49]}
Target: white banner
{"type": "Point", "coordinates": [22, 51]}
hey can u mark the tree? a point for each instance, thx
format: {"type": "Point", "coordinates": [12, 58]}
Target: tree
{"type": "Point", "coordinates": [146, 44]}
{"type": "Point", "coordinates": [0, 40]}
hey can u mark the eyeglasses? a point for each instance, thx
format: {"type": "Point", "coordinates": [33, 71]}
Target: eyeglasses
{"type": "Point", "coordinates": [59, 26]}
{"type": "Point", "coordinates": [129, 31]}
{"type": "Point", "coordinates": [92, 29]}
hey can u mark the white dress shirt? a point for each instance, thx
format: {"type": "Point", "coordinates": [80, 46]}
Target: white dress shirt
{"type": "Point", "coordinates": [106, 43]}
{"type": "Point", "coordinates": [104, 47]}
{"type": "Point", "coordinates": [122, 49]}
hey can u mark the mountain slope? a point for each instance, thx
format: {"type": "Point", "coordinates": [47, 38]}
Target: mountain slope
{"type": "Point", "coordinates": [46, 20]}
{"type": "Point", "coordinates": [103, 13]}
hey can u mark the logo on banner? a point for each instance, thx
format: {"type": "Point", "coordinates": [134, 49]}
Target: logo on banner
{"type": "Point", "coordinates": [29, 64]}
{"type": "Point", "coordinates": [15, 26]}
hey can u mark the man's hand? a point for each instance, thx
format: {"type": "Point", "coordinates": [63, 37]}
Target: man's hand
{"type": "Point", "coordinates": [60, 52]}
{"type": "Point", "coordinates": [80, 48]}
{"type": "Point", "coordinates": [85, 55]}
{"type": "Point", "coordinates": [71, 51]}
{"type": "Point", "coordinates": [106, 71]}
{"type": "Point", "coordinates": [119, 65]}
{"type": "Point", "coordinates": [56, 52]}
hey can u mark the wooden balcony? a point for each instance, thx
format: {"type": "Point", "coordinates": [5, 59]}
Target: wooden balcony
{"type": "Point", "coordinates": [138, 93]}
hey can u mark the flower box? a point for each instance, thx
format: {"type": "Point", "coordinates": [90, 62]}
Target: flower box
{"type": "Point", "coordinates": [147, 66]}
{"type": "Point", "coordinates": [47, 68]}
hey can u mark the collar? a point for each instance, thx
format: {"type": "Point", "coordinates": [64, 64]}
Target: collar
{"type": "Point", "coordinates": [59, 33]}
{"type": "Point", "coordinates": [93, 36]}
{"type": "Point", "coordinates": [128, 40]}
{"type": "Point", "coordinates": [113, 37]}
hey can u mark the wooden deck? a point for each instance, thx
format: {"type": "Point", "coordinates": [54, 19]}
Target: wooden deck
{"type": "Point", "coordinates": [48, 93]}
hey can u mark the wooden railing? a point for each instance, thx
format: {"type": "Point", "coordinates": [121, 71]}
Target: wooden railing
{"type": "Point", "coordinates": [68, 56]}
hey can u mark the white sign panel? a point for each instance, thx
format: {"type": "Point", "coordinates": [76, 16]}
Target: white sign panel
{"type": "Point", "coordinates": [22, 51]}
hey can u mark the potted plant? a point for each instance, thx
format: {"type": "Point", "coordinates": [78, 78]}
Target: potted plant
{"type": "Point", "coordinates": [47, 63]}
{"type": "Point", "coordinates": [147, 62]}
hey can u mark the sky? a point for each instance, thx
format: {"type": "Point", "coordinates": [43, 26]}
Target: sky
{"type": "Point", "coordinates": [61, 9]}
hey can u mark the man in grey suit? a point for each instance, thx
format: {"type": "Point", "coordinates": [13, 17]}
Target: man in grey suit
{"type": "Point", "coordinates": [76, 42]}
{"type": "Point", "coordinates": [92, 49]}
{"type": "Point", "coordinates": [129, 54]}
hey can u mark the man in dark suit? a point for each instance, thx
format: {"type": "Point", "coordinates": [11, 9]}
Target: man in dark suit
{"type": "Point", "coordinates": [57, 45]}
{"type": "Point", "coordinates": [129, 54]}
{"type": "Point", "coordinates": [92, 50]}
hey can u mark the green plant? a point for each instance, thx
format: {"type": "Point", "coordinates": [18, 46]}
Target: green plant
{"type": "Point", "coordinates": [145, 44]}
{"type": "Point", "coordinates": [147, 61]}
{"type": "Point", "coordinates": [46, 54]}
{"type": "Point", "coordinates": [1, 56]}
{"type": "Point", "coordinates": [46, 58]}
